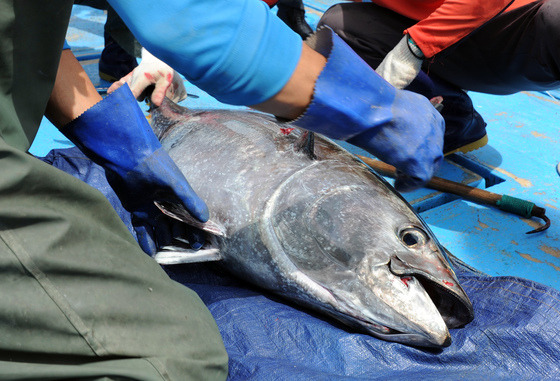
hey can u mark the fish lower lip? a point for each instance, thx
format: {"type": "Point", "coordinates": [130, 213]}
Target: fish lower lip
{"type": "Point", "coordinates": [419, 340]}
{"type": "Point", "coordinates": [391, 334]}
{"type": "Point", "coordinates": [378, 327]}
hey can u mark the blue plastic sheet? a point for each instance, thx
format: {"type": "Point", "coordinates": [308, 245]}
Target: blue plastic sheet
{"type": "Point", "coordinates": [515, 333]}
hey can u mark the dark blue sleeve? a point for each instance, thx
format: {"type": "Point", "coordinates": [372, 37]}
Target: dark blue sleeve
{"type": "Point", "coordinates": [236, 50]}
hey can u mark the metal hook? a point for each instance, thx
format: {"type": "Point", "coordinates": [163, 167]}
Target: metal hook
{"type": "Point", "coordinates": [540, 213]}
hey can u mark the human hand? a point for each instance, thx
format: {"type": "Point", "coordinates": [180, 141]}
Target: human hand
{"type": "Point", "coordinates": [157, 178]}
{"type": "Point", "coordinates": [402, 64]}
{"type": "Point", "coordinates": [115, 134]}
{"type": "Point", "coordinates": [399, 127]}
{"type": "Point", "coordinates": [151, 71]}
{"type": "Point", "coordinates": [412, 141]}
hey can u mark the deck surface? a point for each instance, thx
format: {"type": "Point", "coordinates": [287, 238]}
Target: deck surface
{"type": "Point", "coordinates": [520, 160]}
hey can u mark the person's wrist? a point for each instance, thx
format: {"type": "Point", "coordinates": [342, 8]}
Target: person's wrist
{"type": "Point", "coordinates": [414, 49]}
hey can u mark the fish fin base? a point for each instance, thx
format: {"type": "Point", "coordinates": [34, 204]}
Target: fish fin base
{"type": "Point", "coordinates": [306, 144]}
{"type": "Point", "coordinates": [178, 212]}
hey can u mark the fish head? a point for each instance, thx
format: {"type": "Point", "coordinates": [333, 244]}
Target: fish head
{"type": "Point", "coordinates": [351, 241]}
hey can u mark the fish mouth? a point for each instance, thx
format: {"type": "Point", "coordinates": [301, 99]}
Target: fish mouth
{"type": "Point", "coordinates": [455, 310]}
{"type": "Point", "coordinates": [444, 291]}
{"type": "Point", "coordinates": [414, 322]}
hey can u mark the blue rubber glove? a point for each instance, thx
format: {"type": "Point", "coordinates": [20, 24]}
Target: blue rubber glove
{"type": "Point", "coordinates": [115, 134]}
{"type": "Point", "coordinates": [352, 102]}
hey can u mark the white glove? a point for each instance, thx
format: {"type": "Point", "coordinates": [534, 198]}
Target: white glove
{"type": "Point", "coordinates": [152, 71]}
{"type": "Point", "coordinates": [401, 65]}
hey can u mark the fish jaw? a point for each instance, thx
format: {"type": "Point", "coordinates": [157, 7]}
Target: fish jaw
{"type": "Point", "coordinates": [378, 303]}
{"type": "Point", "coordinates": [403, 306]}
{"type": "Point", "coordinates": [368, 296]}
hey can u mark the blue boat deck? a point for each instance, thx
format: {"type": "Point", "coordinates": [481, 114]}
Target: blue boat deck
{"type": "Point", "coordinates": [520, 160]}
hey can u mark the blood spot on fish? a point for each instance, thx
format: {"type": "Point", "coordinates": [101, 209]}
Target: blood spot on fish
{"type": "Point", "coordinates": [149, 76]}
{"type": "Point", "coordinates": [447, 283]}
{"type": "Point", "coordinates": [286, 131]}
{"type": "Point", "coordinates": [169, 77]}
{"type": "Point", "coordinates": [406, 279]}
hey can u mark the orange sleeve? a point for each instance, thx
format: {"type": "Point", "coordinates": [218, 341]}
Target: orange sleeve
{"type": "Point", "coordinates": [455, 19]}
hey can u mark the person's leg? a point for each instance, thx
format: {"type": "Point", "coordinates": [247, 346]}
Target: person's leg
{"type": "Point", "coordinates": [97, 4]}
{"type": "Point", "coordinates": [372, 31]}
{"type": "Point", "coordinates": [118, 57]}
{"type": "Point", "coordinates": [81, 299]}
{"type": "Point", "coordinates": [118, 30]}
{"type": "Point", "coordinates": [546, 50]}
{"type": "Point", "coordinates": [292, 12]}
{"type": "Point", "coordinates": [515, 51]}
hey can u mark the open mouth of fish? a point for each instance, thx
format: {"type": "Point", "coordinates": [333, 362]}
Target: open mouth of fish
{"type": "Point", "coordinates": [443, 310]}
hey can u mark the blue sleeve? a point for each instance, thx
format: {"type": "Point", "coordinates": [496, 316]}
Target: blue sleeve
{"type": "Point", "coordinates": [66, 46]}
{"type": "Point", "coordinates": [236, 50]}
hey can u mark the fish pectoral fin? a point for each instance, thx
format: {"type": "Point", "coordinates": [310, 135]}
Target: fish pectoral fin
{"type": "Point", "coordinates": [178, 212]}
{"type": "Point", "coordinates": [173, 255]}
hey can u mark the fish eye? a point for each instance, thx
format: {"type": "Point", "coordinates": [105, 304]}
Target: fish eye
{"type": "Point", "coordinates": [413, 236]}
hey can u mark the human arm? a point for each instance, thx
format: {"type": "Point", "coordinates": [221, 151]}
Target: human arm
{"type": "Point", "coordinates": [447, 24]}
{"type": "Point", "coordinates": [242, 54]}
{"type": "Point", "coordinates": [114, 133]}
{"type": "Point", "coordinates": [239, 51]}
{"type": "Point", "coordinates": [454, 20]}
{"type": "Point", "coordinates": [288, 103]}
{"type": "Point", "coordinates": [73, 92]}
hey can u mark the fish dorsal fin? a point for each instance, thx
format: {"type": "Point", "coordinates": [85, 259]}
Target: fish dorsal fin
{"type": "Point", "coordinates": [306, 144]}
{"type": "Point", "coordinates": [173, 255]}
{"type": "Point", "coordinates": [178, 212]}
{"type": "Point", "coordinates": [164, 117]}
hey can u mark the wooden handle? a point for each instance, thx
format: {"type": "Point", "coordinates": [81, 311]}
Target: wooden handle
{"type": "Point", "coordinates": [473, 194]}
{"type": "Point", "coordinates": [506, 203]}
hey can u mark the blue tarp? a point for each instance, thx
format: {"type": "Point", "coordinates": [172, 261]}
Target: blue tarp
{"type": "Point", "coordinates": [515, 333]}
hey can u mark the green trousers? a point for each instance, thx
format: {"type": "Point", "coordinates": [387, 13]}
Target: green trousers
{"type": "Point", "coordinates": [79, 299]}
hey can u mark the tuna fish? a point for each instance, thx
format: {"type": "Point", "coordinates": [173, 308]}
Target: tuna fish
{"type": "Point", "coordinates": [300, 216]}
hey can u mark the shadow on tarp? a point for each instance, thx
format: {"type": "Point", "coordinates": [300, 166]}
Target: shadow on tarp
{"type": "Point", "coordinates": [515, 333]}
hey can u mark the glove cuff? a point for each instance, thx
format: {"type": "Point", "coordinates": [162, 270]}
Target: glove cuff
{"type": "Point", "coordinates": [114, 133]}
{"type": "Point", "coordinates": [414, 49]}
{"type": "Point", "coordinates": [349, 96]}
